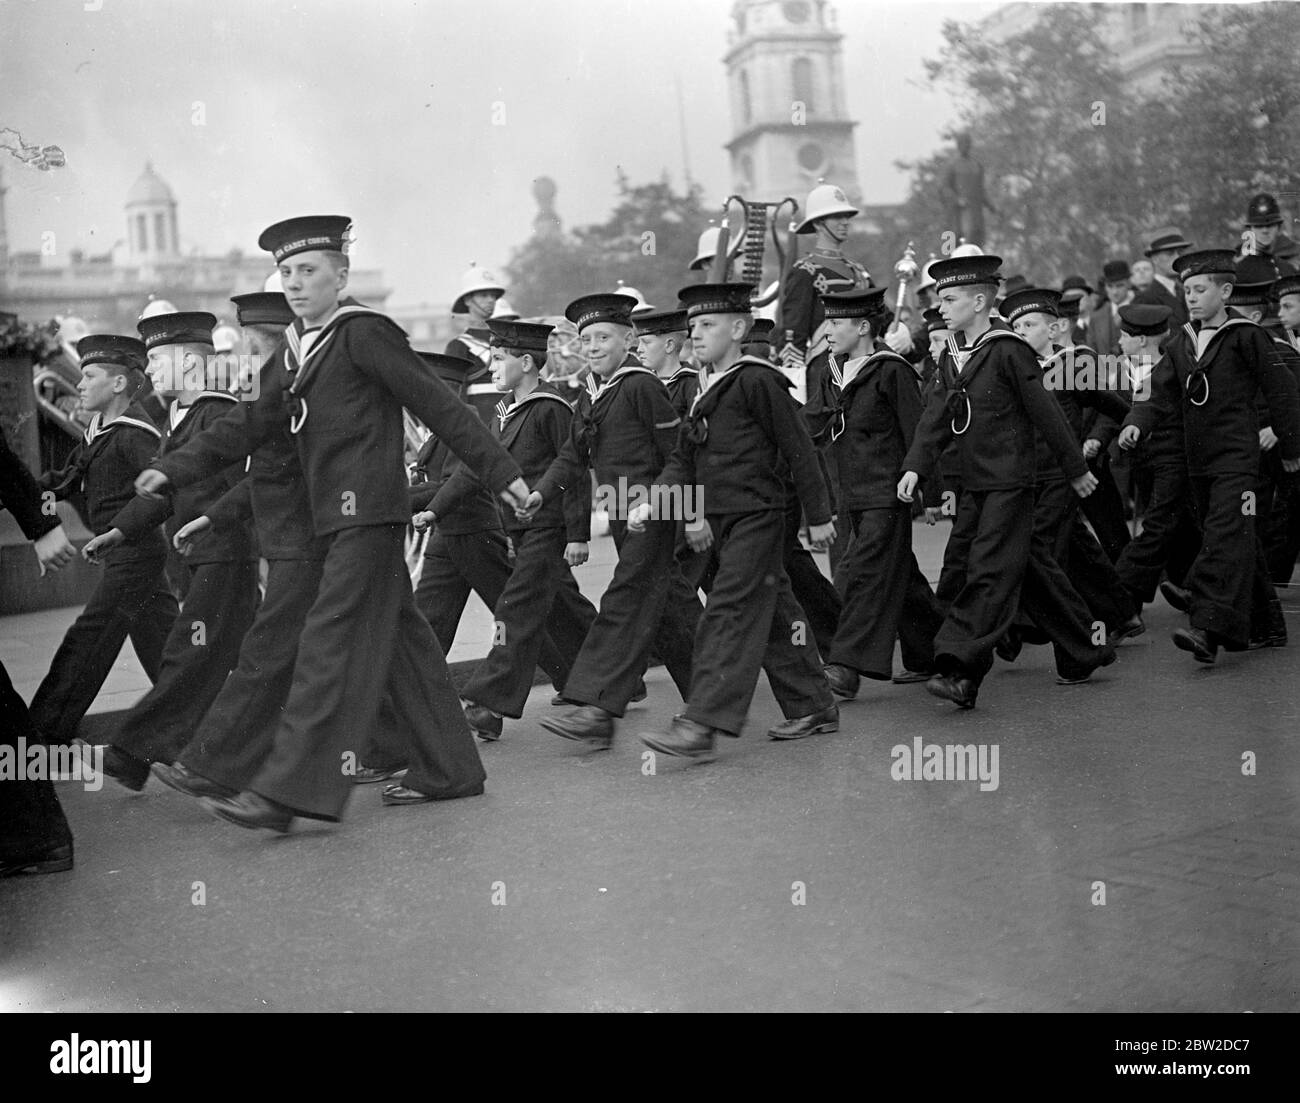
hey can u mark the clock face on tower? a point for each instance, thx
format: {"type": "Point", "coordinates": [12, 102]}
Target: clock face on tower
{"type": "Point", "coordinates": [796, 11]}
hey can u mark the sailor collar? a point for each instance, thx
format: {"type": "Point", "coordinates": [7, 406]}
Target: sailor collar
{"type": "Point", "coordinates": [506, 409]}
{"type": "Point", "coordinates": [599, 391]}
{"type": "Point", "coordinates": [177, 413]}
{"type": "Point", "coordinates": [98, 427]}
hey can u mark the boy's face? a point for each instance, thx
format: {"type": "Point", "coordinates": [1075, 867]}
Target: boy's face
{"type": "Point", "coordinates": [98, 386]}
{"type": "Point", "coordinates": [843, 334]}
{"type": "Point", "coordinates": [1129, 344]}
{"type": "Point", "coordinates": [1144, 274]}
{"type": "Point", "coordinates": [1060, 328]}
{"type": "Point", "coordinates": [1036, 328]}
{"type": "Point", "coordinates": [1205, 298]}
{"type": "Point", "coordinates": [166, 369]}
{"type": "Point", "coordinates": [712, 335]}
{"type": "Point", "coordinates": [653, 350]}
{"type": "Point", "coordinates": [605, 345]}
{"type": "Point", "coordinates": [508, 369]}
{"type": "Point", "coordinates": [1118, 292]}
{"type": "Point", "coordinates": [311, 285]}
{"type": "Point", "coordinates": [938, 339]}
{"type": "Point", "coordinates": [261, 340]}
{"type": "Point", "coordinates": [958, 306]}
{"type": "Point", "coordinates": [1288, 309]}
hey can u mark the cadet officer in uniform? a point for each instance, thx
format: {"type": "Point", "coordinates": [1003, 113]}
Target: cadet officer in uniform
{"type": "Point", "coordinates": [345, 376]}
{"type": "Point", "coordinates": [989, 396]}
{"type": "Point", "coordinates": [479, 292]}
{"type": "Point", "coordinates": [132, 598]}
{"type": "Point", "coordinates": [742, 424]}
{"type": "Point", "coordinates": [203, 646]}
{"type": "Point", "coordinates": [1212, 371]}
{"type": "Point", "coordinates": [624, 431]}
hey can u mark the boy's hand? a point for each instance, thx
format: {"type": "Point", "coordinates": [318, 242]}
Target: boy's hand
{"type": "Point", "coordinates": [187, 535]}
{"type": "Point", "coordinates": [530, 507]}
{"type": "Point", "coordinates": [638, 516]}
{"type": "Point", "coordinates": [1128, 437]}
{"type": "Point", "coordinates": [516, 494]}
{"type": "Point", "coordinates": [1091, 448]}
{"type": "Point", "coordinates": [425, 519]}
{"type": "Point", "coordinates": [907, 486]}
{"type": "Point", "coordinates": [96, 546]}
{"type": "Point", "coordinates": [575, 553]}
{"type": "Point", "coordinates": [699, 537]}
{"type": "Point", "coordinates": [149, 483]}
{"type": "Point", "coordinates": [1085, 484]}
{"type": "Point", "coordinates": [899, 339]}
{"type": "Point", "coordinates": [54, 550]}
{"type": "Point", "coordinates": [1267, 439]}
{"type": "Point", "coordinates": [932, 514]}
{"type": "Point", "coordinates": [1291, 466]}
{"type": "Point", "coordinates": [821, 536]}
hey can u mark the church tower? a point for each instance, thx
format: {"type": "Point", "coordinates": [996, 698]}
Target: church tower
{"type": "Point", "coordinates": [151, 219]}
{"type": "Point", "coordinates": [789, 126]}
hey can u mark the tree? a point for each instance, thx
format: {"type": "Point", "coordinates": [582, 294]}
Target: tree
{"type": "Point", "coordinates": [1082, 168]}
{"type": "Point", "coordinates": [648, 242]}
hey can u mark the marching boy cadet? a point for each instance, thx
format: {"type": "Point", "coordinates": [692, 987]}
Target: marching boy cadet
{"type": "Point", "coordinates": [1168, 540]}
{"type": "Point", "coordinates": [989, 396]}
{"type": "Point", "coordinates": [533, 425]}
{"type": "Point", "coordinates": [873, 405]}
{"type": "Point", "coordinates": [1212, 371]}
{"type": "Point", "coordinates": [742, 424]}
{"type": "Point", "coordinates": [341, 381]}
{"type": "Point", "coordinates": [1080, 385]}
{"type": "Point", "coordinates": [132, 598]}
{"type": "Point", "coordinates": [203, 645]}
{"type": "Point", "coordinates": [1284, 548]}
{"type": "Point", "coordinates": [624, 430]}
{"type": "Point", "coordinates": [236, 734]}
{"type": "Point", "coordinates": [661, 336]}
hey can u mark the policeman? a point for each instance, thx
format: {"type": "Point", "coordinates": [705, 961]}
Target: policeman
{"type": "Point", "coordinates": [1263, 234]}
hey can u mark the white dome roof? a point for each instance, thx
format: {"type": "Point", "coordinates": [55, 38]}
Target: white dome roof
{"type": "Point", "coordinates": [150, 188]}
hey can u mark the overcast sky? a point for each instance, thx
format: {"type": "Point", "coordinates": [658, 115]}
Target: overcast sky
{"type": "Point", "coordinates": [382, 110]}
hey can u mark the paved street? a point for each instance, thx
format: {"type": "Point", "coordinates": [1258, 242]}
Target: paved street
{"type": "Point", "coordinates": [1124, 861]}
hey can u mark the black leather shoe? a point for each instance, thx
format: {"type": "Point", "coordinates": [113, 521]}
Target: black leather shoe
{"type": "Point", "coordinates": [685, 738]}
{"type": "Point", "coordinates": [1266, 639]}
{"type": "Point", "coordinates": [907, 677]}
{"type": "Point", "coordinates": [827, 720]}
{"type": "Point", "coordinates": [957, 688]}
{"type": "Point", "coordinates": [402, 794]}
{"type": "Point", "coordinates": [55, 859]}
{"type": "Point", "coordinates": [1197, 641]}
{"type": "Point", "coordinates": [368, 775]}
{"type": "Point", "coordinates": [483, 722]}
{"type": "Point", "coordinates": [250, 810]}
{"type": "Point", "coordinates": [639, 694]}
{"type": "Point", "coordinates": [844, 681]}
{"type": "Point", "coordinates": [1008, 647]}
{"type": "Point", "coordinates": [1178, 597]}
{"type": "Point", "coordinates": [186, 781]}
{"type": "Point", "coordinates": [1084, 675]}
{"type": "Point", "coordinates": [1130, 629]}
{"type": "Point", "coordinates": [586, 724]}
{"type": "Point", "coordinates": [123, 768]}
